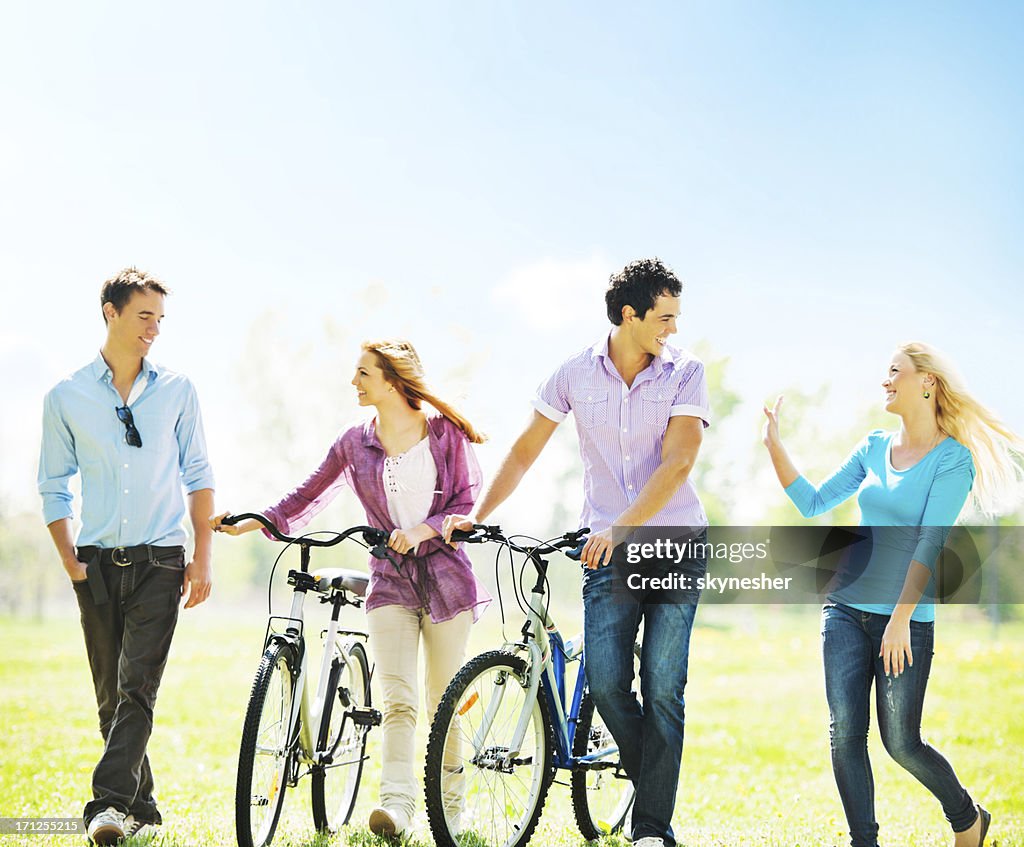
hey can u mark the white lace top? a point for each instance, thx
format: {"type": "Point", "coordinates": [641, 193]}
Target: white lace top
{"type": "Point", "coordinates": [410, 479]}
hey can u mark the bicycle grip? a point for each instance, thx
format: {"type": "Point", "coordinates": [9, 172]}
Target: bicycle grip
{"type": "Point", "coordinates": [465, 535]}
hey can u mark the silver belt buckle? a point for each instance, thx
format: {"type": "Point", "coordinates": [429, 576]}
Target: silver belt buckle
{"type": "Point", "coordinates": [120, 557]}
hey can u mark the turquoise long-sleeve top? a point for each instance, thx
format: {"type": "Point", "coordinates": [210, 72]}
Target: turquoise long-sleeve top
{"type": "Point", "coordinates": [926, 498]}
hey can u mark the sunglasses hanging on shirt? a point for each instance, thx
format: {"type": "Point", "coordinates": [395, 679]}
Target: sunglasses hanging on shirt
{"type": "Point", "coordinates": [131, 433]}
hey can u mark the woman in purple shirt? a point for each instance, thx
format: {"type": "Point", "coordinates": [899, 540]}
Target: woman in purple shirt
{"type": "Point", "coordinates": [409, 470]}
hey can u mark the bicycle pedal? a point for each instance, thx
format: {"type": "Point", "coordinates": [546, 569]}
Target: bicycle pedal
{"type": "Point", "coordinates": [365, 717]}
{"type": "Point", "coordinates": [596, 765]}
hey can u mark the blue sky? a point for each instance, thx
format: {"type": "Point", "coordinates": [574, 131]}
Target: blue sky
{"type": "Point", "coordinates": [827, 179]}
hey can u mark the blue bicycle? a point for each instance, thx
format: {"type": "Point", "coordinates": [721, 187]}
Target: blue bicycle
{"type": "Point", "coordinates": [502, 729]}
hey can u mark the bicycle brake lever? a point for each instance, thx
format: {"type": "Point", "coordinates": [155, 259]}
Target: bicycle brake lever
{"type": "Point", "coordinates": [579, 539]}
{"type": "Point", "coordinates": [380, 551]}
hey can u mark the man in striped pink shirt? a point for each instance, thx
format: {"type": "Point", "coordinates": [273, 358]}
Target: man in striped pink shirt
{"type": "Point", "coordinates": [640, 407]}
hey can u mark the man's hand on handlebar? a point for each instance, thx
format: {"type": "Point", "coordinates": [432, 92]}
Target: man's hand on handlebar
{"type": "Point", "coordinates": [453, 522]}
{"type": "Point", "coordinates": [597, 552]}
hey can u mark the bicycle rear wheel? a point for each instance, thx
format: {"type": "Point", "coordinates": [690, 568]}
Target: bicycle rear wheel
{"type": "Point", "coordinates": [476, 794]}
{"type": "Point", "coordinates": [335, 784]}
{"type": "Point", "coordinates": [601, 797]}
{"type": "Point", "coordinates": [266, 750]}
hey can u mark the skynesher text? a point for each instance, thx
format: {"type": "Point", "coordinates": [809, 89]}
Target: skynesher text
{"type": "Point", "coordinates": [721, 584]}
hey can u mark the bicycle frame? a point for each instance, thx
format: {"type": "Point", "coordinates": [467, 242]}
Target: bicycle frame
{"type": "Point", "coordinates": [322, 729]}
{"type": "Point", "coordinates": [305, 714]}
{"type": "Point", "coordinates": [546, 676]}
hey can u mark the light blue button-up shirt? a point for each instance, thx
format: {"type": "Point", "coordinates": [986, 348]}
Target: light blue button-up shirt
{"type": "Point", "coordinates": [130, 495]}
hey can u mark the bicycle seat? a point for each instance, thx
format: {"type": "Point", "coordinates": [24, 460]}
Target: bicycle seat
{"type": "Point", "coordinates": [354, 581]}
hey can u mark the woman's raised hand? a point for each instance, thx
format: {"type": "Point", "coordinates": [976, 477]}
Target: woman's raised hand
{"type": "Point", "coordinates": [770, 433]}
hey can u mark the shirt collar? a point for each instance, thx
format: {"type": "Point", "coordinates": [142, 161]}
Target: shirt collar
{"type": "Point", "coordinates": [370, 435]}
{"type": "Point", "coordinates": [101, 370]}
{"type": "Point", "coordinates": [667, 359]}
{"type": "Point", "coordinates": [436, 431]}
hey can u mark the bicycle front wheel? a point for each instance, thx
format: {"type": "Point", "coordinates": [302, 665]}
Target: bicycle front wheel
{"type": "Point", "coordinates": [601, 794]}
{"type": "Point", "coordinates": [336, 782]}
{"type": "Point", "coordinates": [478, 791]}
{"type": "Point", "coordinates": [266, 750]}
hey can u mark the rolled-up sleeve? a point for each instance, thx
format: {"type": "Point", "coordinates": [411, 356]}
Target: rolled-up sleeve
{"type": "Point", "coordinates": [692, 398]}
{"type": "Point", "coordinates": [193, 461]}
{"type": "Point", "coordinates": [57, 462]}
{"type": "Point", "coordinates": [552, 399]}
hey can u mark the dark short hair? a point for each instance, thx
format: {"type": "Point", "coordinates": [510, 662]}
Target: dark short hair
{"type": "Point", "coordinates": [639, 285]}
{"type": "Point", "coordinates": [119, 290]}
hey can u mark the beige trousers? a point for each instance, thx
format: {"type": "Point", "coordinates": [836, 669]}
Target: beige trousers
{"type": "Point", "coordinates": [395, 634]}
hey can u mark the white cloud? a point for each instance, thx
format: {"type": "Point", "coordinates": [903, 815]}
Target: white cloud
{"type": "Point", "coordinates": [552, 294]}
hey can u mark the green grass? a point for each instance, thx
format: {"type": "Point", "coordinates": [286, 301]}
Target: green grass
{"type": "Point", "coordinates": [755, 768]}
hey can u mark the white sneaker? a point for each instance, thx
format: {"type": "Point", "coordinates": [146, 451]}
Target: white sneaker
{"type": "Point", "coordinates": [107, 827]}
{"type": "Point", "coordinates": [650, 841]}
{"type": "Point", "coordinates": [132, 826]}
{"type": "Point", "coordinates": [387, 822]}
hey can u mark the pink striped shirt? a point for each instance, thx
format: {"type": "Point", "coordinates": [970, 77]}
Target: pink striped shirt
{"type": "Point", "coordinates": [621, 428]}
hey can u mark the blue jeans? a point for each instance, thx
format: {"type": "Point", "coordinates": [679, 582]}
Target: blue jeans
{"type": "Point", "coordinates": [851, 641]}
{"type": "Point", "coordinates": [649, 736]}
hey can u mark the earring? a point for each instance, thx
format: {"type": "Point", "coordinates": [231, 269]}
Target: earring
{"type": "Point", "coordinates": [927, 394]}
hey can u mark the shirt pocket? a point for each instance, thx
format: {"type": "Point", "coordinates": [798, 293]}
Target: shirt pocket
{"type": "Point", "coordinates": [590, 405]}
{"type": "Point", "coordinates": [156, 431]}
{"type": "Point", "coordinates": [655, 405]}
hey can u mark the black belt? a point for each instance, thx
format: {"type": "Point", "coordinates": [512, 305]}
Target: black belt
{"type": "Point", "coordinates": [121, 557]}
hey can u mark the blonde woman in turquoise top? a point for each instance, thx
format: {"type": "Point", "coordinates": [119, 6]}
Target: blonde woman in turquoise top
{"type": "Point", "coordinates": [876, 630]}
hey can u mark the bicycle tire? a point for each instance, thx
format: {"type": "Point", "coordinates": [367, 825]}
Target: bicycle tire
{"type": "Point", "coordinates": [600, 800]}
{"type": "Point", "coordinates": [266, 750]}
{"type": "Point", "coordinates": [334, 786]}
{"type": "Point", "coordinates": [484, 807]}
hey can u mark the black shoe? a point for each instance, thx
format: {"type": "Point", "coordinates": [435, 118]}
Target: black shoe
{"type": "Point", "coordinates": [986, 819]}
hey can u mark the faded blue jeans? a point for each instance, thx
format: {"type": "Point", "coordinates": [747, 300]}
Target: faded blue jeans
{"type": "Point", "coordinates": [649, 736]}
{"type": "Point", "coordinates": [851, 641]}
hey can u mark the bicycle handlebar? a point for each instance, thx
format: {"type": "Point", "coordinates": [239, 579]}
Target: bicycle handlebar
{"type": "Point", "coordinates": [371, 535]}
{"type": "Point", "coordinates": [570, 542]}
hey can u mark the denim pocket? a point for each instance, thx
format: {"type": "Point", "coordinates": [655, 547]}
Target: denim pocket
{"type": "Point", "coordinates": [175, 564]}
{"type": "Point", "coordinates": [593, 577]}
{"type": "Point", "coordinates": [590, 405]}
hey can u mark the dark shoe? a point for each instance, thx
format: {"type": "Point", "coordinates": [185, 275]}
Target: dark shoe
{"type": "Point", "coordinates": [986, 819]}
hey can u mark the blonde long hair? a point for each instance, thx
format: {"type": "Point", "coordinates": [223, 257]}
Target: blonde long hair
{"type": "Point", "coordinates": [402, 368]}
{"type": "Point", "coordinates": [997, 451]}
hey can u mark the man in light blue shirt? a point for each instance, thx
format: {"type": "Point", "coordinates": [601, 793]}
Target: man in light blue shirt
{"type": "Point", "coordinates": [133, 432]}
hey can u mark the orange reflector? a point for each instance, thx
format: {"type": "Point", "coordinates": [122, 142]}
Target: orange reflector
{"type": "Point", "coordinates": [469, 703]}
